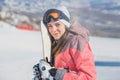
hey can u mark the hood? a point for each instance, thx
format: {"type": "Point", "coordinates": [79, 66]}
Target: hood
{"type": "Point", "coordinates": [79, 29]}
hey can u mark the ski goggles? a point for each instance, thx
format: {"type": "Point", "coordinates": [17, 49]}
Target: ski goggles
{"type": "Point", "coordinates": [55, 15]}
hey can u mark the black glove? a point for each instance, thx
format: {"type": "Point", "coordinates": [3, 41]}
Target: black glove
{"type": "Point", "coordinates": [52, 72]}
{"type": "Point", "coordinates": [57, 74]}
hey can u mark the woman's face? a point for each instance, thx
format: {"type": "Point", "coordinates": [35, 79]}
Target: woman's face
{"type": "Point", "coordinates": [56, 29]}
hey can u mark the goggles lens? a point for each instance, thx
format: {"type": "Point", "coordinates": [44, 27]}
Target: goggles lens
{"type": "Point", "coordinates": [54, 15]}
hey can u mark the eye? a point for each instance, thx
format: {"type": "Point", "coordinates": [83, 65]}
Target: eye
{"type": "Point", "coordinates": [57, 24]}
{"type": "Point", "coordinates": [49, 26]}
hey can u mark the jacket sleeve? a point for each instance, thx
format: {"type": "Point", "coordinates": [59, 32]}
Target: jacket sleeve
{"type": "Point", "coordinates": [83, 59]}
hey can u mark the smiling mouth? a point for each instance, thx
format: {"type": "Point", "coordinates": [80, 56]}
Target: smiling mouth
{"type": "Point", "coordinates": [56, 34]}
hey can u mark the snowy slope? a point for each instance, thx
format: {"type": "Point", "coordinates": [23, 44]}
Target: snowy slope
{"type": "Point", "coordinates": [107, 57]}
{"type": "Point", "coordinates": [106, 49]}
{"type": "Point", "coordinates": [20, 50]}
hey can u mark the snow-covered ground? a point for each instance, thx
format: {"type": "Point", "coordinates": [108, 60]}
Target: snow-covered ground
{"type": "Point", "coordinates": [107, 57]}
{"type": "Point", "coordinates": [20, 50]}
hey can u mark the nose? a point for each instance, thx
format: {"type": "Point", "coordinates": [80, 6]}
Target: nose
{"type": "Point", "coordinates": [54, 28]}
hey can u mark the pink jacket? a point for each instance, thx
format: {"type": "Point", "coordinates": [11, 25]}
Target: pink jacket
{"type": "Point", "coordinates": [78, 57]}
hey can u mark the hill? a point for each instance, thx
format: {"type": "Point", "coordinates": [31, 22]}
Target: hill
{"type": "Point", "coordinates": [99, 16]}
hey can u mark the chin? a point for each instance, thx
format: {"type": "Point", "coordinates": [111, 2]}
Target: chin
{"type": "Point", "coordinates": [57, 38]}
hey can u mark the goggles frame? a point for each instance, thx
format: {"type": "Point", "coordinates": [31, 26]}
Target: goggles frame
{"type": "Point", "coordinates": [54, 14]}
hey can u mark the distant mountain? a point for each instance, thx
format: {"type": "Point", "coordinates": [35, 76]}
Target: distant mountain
{"type": "Point", "coordinates": [41, 5]}
{"type": "Point", "coordinates": [101, 17]}
{"type": "Point", "coordinates": [28, 5]}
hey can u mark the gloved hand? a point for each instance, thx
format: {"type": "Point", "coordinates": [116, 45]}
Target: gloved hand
{"type": "Point", "coordinates": [52, 72]}
{"type": "Point", "coordinates": [36, 72]}
{"type": "Point", "coordinates": [41, 71]}
{"type": "Point", "coordinates": [44, 69]}
{"type": "Point", "coordinates": [57, 74]}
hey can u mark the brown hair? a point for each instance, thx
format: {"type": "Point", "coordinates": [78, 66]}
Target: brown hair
{"type": "Point", "coordinates": [58, 45]}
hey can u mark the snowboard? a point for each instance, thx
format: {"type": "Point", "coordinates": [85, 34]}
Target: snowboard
{"type": "Point", "coordinates": [46, 43]}
{"type": "Point", "coordinates": [45, 53]}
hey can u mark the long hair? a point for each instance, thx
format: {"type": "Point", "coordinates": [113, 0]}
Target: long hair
{"type": "Point", "coordinates": [58, 45]}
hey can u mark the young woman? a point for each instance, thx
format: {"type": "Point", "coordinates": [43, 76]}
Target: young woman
{"type": "Point", "coordinates": [71, 54]}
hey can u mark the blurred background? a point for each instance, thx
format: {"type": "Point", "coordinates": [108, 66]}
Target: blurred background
{"type": "Point", "coordinates": [21, 40]}
{"type": "Point", "coordinates": [99, 16]}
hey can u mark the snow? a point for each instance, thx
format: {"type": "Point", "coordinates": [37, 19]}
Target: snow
{"type": "Point", "coordinates": [21, 49]}
{"type": "Point", "coordinates": [107, 50]}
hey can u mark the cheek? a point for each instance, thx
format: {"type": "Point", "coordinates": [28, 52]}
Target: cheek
{"type": "Point", "coordinates": [50, 31]}
{"type": "Point", "coordinates": [63, 30]}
